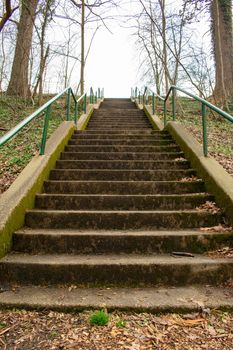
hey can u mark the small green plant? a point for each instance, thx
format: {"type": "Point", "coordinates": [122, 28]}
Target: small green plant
{"type": "Point", "coordinates": [54, 334]}
{"type": "Point", "coordinates": [121, 324]}
{"type": "Point", "coordinates": [3, 324]}
{"type": "Point", "coordinates": [99, 318]}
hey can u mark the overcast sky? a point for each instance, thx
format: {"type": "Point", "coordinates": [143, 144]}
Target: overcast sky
{"type": "Point", "coordinates": [113, 62]}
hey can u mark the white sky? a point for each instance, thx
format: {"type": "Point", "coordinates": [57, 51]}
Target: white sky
{"type": "Point", "coordinates": [113, 61]}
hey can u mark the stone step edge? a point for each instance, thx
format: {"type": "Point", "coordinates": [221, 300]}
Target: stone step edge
{"type": "Point", "coordinates": [203, 195]}
{"type": "Point", "coordinates": [113, 259]}
{"type": "Point", "coordinates": [119, 233]}
{"type": "Point", "coordinates": [157, 182]}
{"type": "Point", "coordinates": [151, 300]}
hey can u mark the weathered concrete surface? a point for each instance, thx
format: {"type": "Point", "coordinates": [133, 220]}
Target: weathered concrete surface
{"type": "Point", "coordinates": [21, 194]}
{"type": "Point", "coordinates": [117, 242]}
{"type": "Point", "coordinates": [217, 180]}
{"type": "Point", "coordinates": [123, 187]}
{"type": "Point", "coordinates": [155, 121]}
{"type": "Point", "coordinates": [114, 270]}
{"type": "Point", "coordinates": [84, 118]}
{"type": "Point", "coordinates": [120, 220]}
{"type": "Point", "coordinates": [126, 299]}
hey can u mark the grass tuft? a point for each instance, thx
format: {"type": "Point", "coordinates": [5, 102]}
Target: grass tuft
{"type": "Point", "coordinates": [99, 318]}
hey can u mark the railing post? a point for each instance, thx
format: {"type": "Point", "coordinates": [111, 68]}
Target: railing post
{"type": "Point", "coordinates": [204, 129]}
{"type": "Point", "coordinates": [45, 130]}
{"type": "Point", "coordinates": [153, 103]}
{"type": "Point", "coordinates": [136, 92]}
{"type": "Point", "coordinates": [68, 105]}
{"type": "Point", "coordinates": [173, 103]}
{"type": "Point", "coordinates": [98, 92]}
{"type": "Point", "coordinates": [139, 97]}
{"type": "Point", "coordinates": [96, 97]}
{"type": "Point", "coordinates": [76, 113]}
{"type": "Point", "coordinates": [85, 104]}
{"type": "Point", "coordinates": [90, 95]}
{"type": "Point", "coordinates": [165, 113]}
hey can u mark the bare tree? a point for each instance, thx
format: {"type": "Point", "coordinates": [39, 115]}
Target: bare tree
{"type": "Point", "coordinates": [162, 33]}
{"type": "Point", "coordinates": [9, 10]}
{"type": "Point", "coordinates": [221, 27]}
{"type": "Point", "coordinates": [46, 11]}
{"type": "Point", "coordinates": [19, 85]}
{"type": "Point", "coordinates": [222, 33]}
{"type": "Point", "coordinates": [89, 14]}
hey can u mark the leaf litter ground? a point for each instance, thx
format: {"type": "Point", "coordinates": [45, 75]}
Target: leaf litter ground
{"type": "Point", "coordinates": [25, 330]}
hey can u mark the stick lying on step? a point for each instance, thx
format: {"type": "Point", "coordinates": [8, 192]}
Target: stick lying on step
{"type": "Point", "coordinates": [190, 255]}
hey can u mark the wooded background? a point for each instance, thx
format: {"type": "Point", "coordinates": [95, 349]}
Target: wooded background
{"type": "Point", "coordinates": [163, 32]}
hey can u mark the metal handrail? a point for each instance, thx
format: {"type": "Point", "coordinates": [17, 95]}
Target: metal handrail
{"type": "Point", "coordinates": [203, 102]}
{"type": "Point", "coordinates": [46, 108]}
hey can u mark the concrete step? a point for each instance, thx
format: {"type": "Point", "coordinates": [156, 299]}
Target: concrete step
{"type": "Point", "coordinates": [120, 137]}
{"type": "Point", "coordinates": [118, 119]}
{"type": "Point", "coordinates": [105, 142]}
{"type": "Point", "coordinates": [117, 127]}
{"type": "Point", "coordinates": [150, 300]}
{"type": "Point", "coordinates": [119, 106]}
{"type": "Point", "coordinates": [120, 175]}
{"type": "Point", "coordinates": [117, 242]}
{"type": "Point", "coordinates": [119, 131]}
{"type": "Point", "coordinates": [114, 270]}
{"type": "Point", "coordinates": [123, 132]}
{"type": "Point", "coordinates": [121, 202]}
{"type": "Point", "coordinates": [120, 220]}
{"type": "Point", "coordinates": [122, 164]}
{"type": "Point", "coordinates": [118, 111]}
{"type": "Point", "coordinates": [124, 148]}
{"type": "Point", "coordinates": [124, 187]}
{"type": "Point", "coordinates": [90, 132]}
{"type": "Point", "coordinates": [121, 156]}
{"type": "Point", "coordinates": [118, 123]}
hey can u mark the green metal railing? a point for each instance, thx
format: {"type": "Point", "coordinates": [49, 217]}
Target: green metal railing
{"type": "Point", "coordinates": [148, 95]}
{"type": "Point", "coordinates": [80, 105]}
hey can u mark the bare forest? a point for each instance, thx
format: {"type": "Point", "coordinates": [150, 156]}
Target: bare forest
{"type": "Point", "coordinates": [45, 44]}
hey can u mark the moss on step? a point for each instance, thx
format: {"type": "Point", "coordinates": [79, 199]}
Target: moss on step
{"type": "Point", "coordinates": [155, 121]}
{"type": "Point", "coordinates": [21, 195]}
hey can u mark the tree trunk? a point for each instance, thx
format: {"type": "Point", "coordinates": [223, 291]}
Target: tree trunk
{"type": "Point", "coordinates": [221, 13]}
{"type": "Point", "coordinates": [19, 85]}
{"type": "Point", "coordinates": [82, 49]}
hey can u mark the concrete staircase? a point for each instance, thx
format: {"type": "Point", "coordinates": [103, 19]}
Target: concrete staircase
{"type": "Point", "coordinates": [120, 201]}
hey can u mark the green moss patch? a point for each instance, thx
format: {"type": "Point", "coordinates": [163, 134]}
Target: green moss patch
{"type": "Point", "coordinates": [18, 200]}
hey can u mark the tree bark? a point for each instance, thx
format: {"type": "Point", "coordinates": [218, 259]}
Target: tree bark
{"type": "Point", "coordinates": [19, 85]}
{"type": "Point", "coordinates": [222, 31]}
{"type": "Point", "coordinates": [7, 14]}
{"type": "Point", "coordinates": [82, 49]}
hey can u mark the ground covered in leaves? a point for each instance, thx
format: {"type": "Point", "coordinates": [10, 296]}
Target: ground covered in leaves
{"type": "Point", "coordinates": [17, 153]}
{"type": "Point", "coordinates": [21, 330]}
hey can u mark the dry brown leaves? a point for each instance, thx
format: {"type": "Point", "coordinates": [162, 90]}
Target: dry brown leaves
{"type": "Point", "coordinates": [218, 228]}
{"type": "Point", "coordinates": [180, 159]}
{"type": "Point", "coordinates": [22, 330]}
{"type": "Point", "coordinates": [225, 252]}
{"type": "Point", "coordinates": [210, 207]}
{"type": "Point", "coordinates": [190, 179]}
